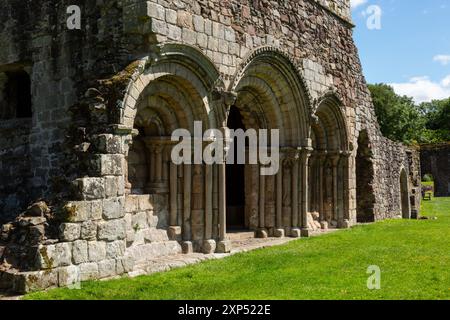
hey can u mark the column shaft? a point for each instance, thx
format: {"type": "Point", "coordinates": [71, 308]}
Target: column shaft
{"type": "Point", "coordinates": [262, 201]}
{"type": "Point", "coordinates": [222, 202]}
{"type": "Point", "coordinates": [173, 194]}
{"type": "Point", "coordinates": [187, 203]}
{"type": "Point", "coordinates": [279, 200]}
{"type": "Point", "coordinates": [208, 201]}
{"type": "Point", "coordinates": [295, 194]}
{"type": "Point", "coordinates": [305, 191]}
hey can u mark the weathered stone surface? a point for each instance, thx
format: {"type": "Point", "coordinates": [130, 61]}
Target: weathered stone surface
{"type": "Point", "coordinates": [209, 246]}
{"type": "Point", "coordinates": [69, 276]}
{"type": "Point", "coordinates": [261, 233]}
{"type": "Point", "coordinates": [279, 233]}
{"type": "Point", "coordinates": [112, 230]}
{"type": "Point", "coordinates": [89, 230]}
{"type": "Point", "coordinates": [80, 252]}
{"type": "Point", "coordinates": [38, 209]}
{"type": "Point", "coordinates": [96, 251]}
{"type": "Point", "coordinates": [70, 232]}
{"type": "Point", "coordinates": [89, 271]}
{"type": "Point", "coordinates": [36, 281]}
{"type": "Point", "coordinates": [115, 249]}
{"type": "Point", "coordinates": [91, 188]}
{"type": "Point", "coordinates": [223, 247]}
{"type": "Point", "coordinates": [187, 247]}
{"type": "Point", "coordinates": [107, 268]}
{"type": "Point", "coordinates": [295, 233]}
{"type": "Point", "coordinates": [52, 256]}
{"type": "Point", "coordinates": [113, 208]}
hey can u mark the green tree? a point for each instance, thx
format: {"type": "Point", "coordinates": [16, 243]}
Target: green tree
{"type": "Point", "coordinates": [399, 117]}
{"type": "Point", "coordinates": [437, 120]}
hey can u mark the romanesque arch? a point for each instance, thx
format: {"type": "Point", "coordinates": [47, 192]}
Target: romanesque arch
{"type": "Point", "coordinates": [404, 195]}
{"type": "Point", "coordinates": [329, 164]}
{"type": "Point", "coordinates": [172, 91]}
{"type": "Point", "coordinates": [271, 94]}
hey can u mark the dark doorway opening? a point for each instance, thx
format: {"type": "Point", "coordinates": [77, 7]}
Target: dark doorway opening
{"type": "Point", "coordinates": [15, 98]}
{"type": "Point", "coordinates": [365, 197]}
{"type": "Point", "coordinates": [235, 175]}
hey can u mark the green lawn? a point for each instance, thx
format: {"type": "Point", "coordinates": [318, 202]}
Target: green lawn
{"type": "Point", "coordinates": [413, 257]}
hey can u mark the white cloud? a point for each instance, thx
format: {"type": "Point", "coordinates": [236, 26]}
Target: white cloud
{"type": "Point", "coordinates": [357, 3]}
{"type": "Point", "coordinates": [422, 89]}
{"type": "Point", "coordinates": [442, 59]}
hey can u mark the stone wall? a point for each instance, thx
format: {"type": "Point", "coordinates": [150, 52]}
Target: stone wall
{"type": "Point", "coordinates": [435, 160]}
{"type": "Point", "coordinates": [84, 82]}
{"type": "Point", "coordinates": [15, 170]}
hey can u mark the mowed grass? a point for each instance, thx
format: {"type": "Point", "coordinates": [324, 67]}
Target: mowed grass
{"type": "Point", "coordinates": [413, 257]}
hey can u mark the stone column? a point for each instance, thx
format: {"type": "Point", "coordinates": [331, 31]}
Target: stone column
{"type": "Point", "coordinates": [174, 229]}
{"type": "Point", "coordinates": [306, 153]}
{"type": "Point", "coordinates": [215, 221]}
{"type": "Point", "coordinates": [151, 166]}
{"type": "Point", "coordinates": [346, 223]}
{"type": "Point", "coordinates": [209, 245]}
{"type": "Point", "coordinates": [334, 163]}
{"type": "Point", "coordinates": [187, 236]}
{"type": "Point", "coordinates": [224, 245]}
{"type": "Point", "coordinates": [295, 231]}
{"type": "Point", "coordinates": [223, 100]}
{"type": "Point", "coordinates": [321, 163]}
{"type": "Point", "coordinates": [279, 231]}
{"type": "Point", "coordinates": [158, 164]}
{"type": "Point", "coordinates": [165, 166]}
{"type": "Point", "coordinates": [262, 232]}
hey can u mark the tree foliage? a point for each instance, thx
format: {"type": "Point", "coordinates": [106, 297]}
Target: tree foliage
{"type": "Point", "coordinates": [402, 120]}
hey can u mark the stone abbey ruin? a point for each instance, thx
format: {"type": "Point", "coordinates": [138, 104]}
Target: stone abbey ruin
{"type": "Point", "coordinates": [87, 186]}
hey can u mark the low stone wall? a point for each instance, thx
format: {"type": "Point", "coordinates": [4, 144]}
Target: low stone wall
{"type": "Point", "coordinates": [103, 239]}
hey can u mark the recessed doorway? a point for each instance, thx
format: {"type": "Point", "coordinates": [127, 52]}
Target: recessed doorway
{"type": "Point", "coordinates": [235, 180]}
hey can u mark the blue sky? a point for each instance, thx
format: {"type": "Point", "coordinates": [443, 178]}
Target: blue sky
{"type": "Point", "coordinates": [411, 51]}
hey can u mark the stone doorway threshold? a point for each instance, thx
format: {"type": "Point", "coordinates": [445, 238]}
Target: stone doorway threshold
{"type": "Point", "coordinates": [240, 242]}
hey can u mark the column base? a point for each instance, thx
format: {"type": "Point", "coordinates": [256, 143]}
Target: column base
{"type": "Point", "coordinates": [174, 233]}
{"type": "Point", "coordinates": [344, 224]}
{"type": "Point", "coordinates": [324, 225]}
{"type": "Point", "coordinates": [305, 233]}
{"type": "Point", "coordinates": [279, 233]}
{"type": "Point", "coordinates": [223, 246]}
{"type": "Point", "coordinates": [261, 233]}
{"type": "Point", "coordinates": [187, 247]}
{"type": "Point", "coordinates": [296, 233]}
{"type": "Point", "coordinates": [209, 246]}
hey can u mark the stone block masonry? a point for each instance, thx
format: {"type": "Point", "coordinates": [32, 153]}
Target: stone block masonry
{"type": "Point", "coordinates": [94, 150]}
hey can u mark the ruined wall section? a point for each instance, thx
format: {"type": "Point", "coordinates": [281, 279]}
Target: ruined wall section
{"type": "Point", "coordinates": [390, 159]}
{"type": "Point", "coordinates": [60, 63]}
{"type": "Point", "coordinates": [435, 160]}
